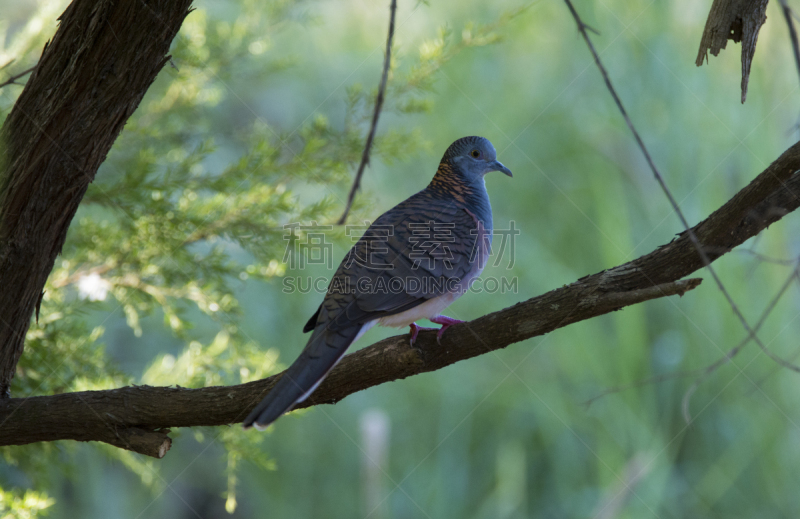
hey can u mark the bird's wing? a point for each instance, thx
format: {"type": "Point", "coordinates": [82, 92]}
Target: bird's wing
{"type": "Point", "coordinates": [416, 251]}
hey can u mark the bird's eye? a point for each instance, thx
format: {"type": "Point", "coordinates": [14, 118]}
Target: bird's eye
{"type": "Point", "coordinates": [475, 153]}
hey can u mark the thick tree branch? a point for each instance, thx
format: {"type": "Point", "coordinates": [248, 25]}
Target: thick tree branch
{"type": "Point", "coordinates": [89, 80]}
{"type": "Point", "coordinates": [90, 415]}
{"type": "Point", "coordinates": [737, 20]}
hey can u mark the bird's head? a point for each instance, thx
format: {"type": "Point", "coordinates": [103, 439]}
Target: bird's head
{"type": "Point", "coordinates": [473, 157]}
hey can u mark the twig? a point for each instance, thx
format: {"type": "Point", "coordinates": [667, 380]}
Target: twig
{"type": "Point", "coordinates": [13, 79]}
{"type": "Point", "coordinates": [757, 384]}
{"type": "Point", "coordinates": [378, 104]}
{"type": "Point", "coordinates": [640, 383]}
{"type": "Point", "coordinates": [768, 259]}
{"type": "Point", "coordinates": [692, 237]}
{"type": "Point", "coordinates": [736, 349]}
{"type": "Point", "coordinates": [787, 14]}
{"type": "Point", "coordinates": [757, 255]}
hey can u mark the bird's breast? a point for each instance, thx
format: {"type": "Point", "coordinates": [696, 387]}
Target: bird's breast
{"type": "Point", "coordinates": [435, 306]}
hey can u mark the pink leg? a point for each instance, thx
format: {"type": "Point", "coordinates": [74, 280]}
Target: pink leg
{"type": "Point", "coordinates": [415, 331]}
{"type": "Point", "coordinates": [446, 323]}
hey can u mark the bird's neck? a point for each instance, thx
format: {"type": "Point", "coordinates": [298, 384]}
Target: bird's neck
{"type": "Point", "coordinates": [449, 185]}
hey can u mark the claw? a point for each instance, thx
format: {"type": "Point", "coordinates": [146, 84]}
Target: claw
{"type": "Point", "coordinates": [446, 323]}
{"type": "Point", "coordinates": [415, 331]}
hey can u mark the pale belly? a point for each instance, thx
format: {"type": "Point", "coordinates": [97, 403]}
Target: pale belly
{"type": "Point", "coordinates": [426, 310]}
{"type": "Point", "coordinates": [435, 306]}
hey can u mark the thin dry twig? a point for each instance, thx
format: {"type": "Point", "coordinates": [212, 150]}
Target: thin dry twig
{"type": "Point", "coordinates": [736, 349]}
{"type": "Point", "coordinates": [757, 255]}
{"type": "Point", "coordinates": [378, 104]}
{"type": "Point", "coordinates": [767, 259]}
{"type": "Point", "coordinates": [13, 79]}
{"type": "Point", "coordinates": [692, 237]}
{"type": "Point", "coordinates": [787, 14]}
{"type": "Point", "coordinates": [640, 383]}
{"type": "Point", "coordinates": [758, 383]}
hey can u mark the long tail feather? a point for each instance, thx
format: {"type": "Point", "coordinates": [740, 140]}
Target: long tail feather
{"type": "Point", "coordinates": [323, 351]}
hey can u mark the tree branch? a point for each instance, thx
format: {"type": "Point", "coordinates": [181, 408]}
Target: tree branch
{"type": "Point", "coordinates": [89, 415]}
{"type": "Point", "coordinates": [787, 15]}
{"type": "Point", "coordinates": [737, 20]}
{"type": "Point", "coordinates": [13, 79]}
{"type": "Point", "coordinates": [387, 61]}
{"type": "Point", "coordinates": [90, 78]}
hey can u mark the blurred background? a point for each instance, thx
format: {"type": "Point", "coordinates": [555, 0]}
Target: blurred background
{"type": "Point", "coordinates": [175, 266]}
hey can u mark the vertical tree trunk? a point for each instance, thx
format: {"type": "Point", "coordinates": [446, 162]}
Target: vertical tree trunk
{"type": "Point", "coordinates": [91, 77]}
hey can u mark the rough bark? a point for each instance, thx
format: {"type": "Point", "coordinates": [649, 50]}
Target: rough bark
{"type": "Point", "coordinates": [90, 415]}
{"type": "Point", "coordinates": [737, 20]}
{"type": "Point", "coordinates": [90, 78]}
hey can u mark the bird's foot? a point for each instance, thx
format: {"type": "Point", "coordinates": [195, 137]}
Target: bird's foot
{"type": "Point", "coordinates": [415, 331]}
{"type": "Point", "coordinates": [446, 323]}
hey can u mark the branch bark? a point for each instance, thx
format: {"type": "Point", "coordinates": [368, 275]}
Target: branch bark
{"type": "Point", "coordinates": [90, 78]}
{"type": "Point", "coordinates": [90, 415]}
{"type": "Point", "coordinates": [737, 20]}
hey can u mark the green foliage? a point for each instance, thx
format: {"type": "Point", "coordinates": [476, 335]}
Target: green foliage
{"type": "Point", "coordinates": [23, 505]}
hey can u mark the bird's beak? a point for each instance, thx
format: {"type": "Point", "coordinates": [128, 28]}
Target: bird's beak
{"type": "Point", "coordinates": [498, 166]}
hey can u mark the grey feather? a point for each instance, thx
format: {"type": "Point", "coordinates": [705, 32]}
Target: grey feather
{"type": "Point", "coordinates": [428, 241]}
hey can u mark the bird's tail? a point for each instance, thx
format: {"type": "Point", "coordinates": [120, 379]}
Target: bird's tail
{"type": "Point", "coordinates": [324, 349]}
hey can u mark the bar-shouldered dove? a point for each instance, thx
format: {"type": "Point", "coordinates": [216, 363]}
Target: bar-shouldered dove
{"type": "Point", "coordinates": [410, 264]}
